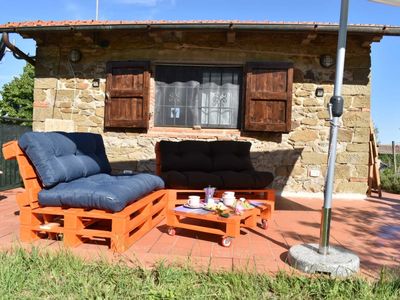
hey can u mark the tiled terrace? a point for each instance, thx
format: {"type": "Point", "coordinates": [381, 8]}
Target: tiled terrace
{"type": "Point", "coordinates": [371, 228]}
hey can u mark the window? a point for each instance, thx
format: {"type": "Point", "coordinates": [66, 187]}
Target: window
{"type": "Point", "coordinates": [187, 96]}
{"type": "Point", "coordinates": [209, 97]}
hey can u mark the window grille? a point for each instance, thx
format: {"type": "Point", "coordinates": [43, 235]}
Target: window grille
{"type": "Point", "coordinates": [187, 96]}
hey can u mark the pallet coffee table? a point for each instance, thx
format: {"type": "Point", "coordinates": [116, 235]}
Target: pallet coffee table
{"type": "Point", "coordinates": [203, 220]}
{"type": "Point", "coordinates": [263, 200]}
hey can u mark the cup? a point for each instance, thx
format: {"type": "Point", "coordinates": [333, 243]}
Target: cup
{"type": "Point", "coordinates": [228, 194]}
{"type": "Point", "coordinates": [228, 201]}
{"type": "Point", "coordinates": [194, 201]}
{"type": "Point", "coordinates": [210, 201]}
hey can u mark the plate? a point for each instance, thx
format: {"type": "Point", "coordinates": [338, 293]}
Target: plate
{"type": "Point", "coordinates": [187, 205]}
{"type": "Point", "coordinates": [209, 209]}
{"type": "Point", "coordinates": [223, 207]}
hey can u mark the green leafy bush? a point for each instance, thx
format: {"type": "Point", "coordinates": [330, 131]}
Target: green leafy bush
{"type": "Point", "coordinates": [390, 181]}
{"type": "Point", "coordinates": [17, 96]}
{"type": "Point", "coordinates": [387, 159]}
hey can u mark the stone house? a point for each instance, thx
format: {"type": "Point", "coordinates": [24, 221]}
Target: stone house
{"type": "Point", "coordinates": [137, 83]}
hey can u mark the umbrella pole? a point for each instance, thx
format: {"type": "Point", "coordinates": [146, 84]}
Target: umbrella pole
{"type": "Point", "coordinates": [336, 110]}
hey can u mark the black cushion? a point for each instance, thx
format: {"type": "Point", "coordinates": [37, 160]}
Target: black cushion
{"type": "Point", "coordinates": [222, 164]}
{"type": "Point", "coordinates": [245, 179]}
{"type": "Point", "coordinates": [186, 156]}
{"type": "Point", "coordinates": [230, 155]}
{"type": "Point", "coordinates": [191, 179]}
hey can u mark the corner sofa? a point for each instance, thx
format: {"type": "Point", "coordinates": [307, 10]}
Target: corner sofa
{"type": "Point", "coordinates": [69, 191]}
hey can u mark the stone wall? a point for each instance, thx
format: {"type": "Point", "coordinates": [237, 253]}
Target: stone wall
{"type": "Point", "coordinates": [64, 91]}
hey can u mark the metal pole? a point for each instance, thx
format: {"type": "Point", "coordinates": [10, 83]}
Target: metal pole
{"type": "Point", "coordinates": [336, 107]}
{"type": "Point", "coordinates": [97, 10]}
{"type": "Point", "coordinates": [394, 156]}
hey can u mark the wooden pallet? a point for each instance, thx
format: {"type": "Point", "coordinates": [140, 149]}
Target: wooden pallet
{"type": "Point", "coordinates": [180, 197]}
{"type": "Point", "coordinates": [77, 225]}
{"type": "Point", "coordinates": [374, 179]}
{"type": "Point", "coordinates": [210, 222]}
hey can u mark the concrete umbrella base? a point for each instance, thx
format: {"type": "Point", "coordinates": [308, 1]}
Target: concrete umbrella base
{"type": "Point", "coordinates": [339, 262]}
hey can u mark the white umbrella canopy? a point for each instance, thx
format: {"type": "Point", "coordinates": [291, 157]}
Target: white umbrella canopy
{"type": "Point", "coordinates": [389, 2]}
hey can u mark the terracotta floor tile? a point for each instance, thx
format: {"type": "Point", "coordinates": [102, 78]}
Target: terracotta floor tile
{"type": "Point", "coordinates": [222, 252]}
{"type": "Point", "coordinates": [244, 265]}
{"type": "Point", "coordinates": [370, 228]}
{"type": "Point", "coordinates": [221, 263]}
{"type": "Point", "coordinates": [201, 249]}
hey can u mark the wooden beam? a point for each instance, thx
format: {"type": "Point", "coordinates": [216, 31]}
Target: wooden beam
{"type": "Point", "coordinates": [309, 38]}
{"type": "Point", "coordinates": [231, 37]}
{"type": "Point", "coordinates": [374, 39]}
{"type": "Point", "coordinates": [178, 35]}
{"type": "Point", "coordinates": [155, 36]}
{"type": "Point", "coordinates": [85, 37]}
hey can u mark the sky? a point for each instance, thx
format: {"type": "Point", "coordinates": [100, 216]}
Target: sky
{"type": "Point", "coordinates": [385, 98]}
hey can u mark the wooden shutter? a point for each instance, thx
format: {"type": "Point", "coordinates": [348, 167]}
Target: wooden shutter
{"type": "Point", "coordinates": [127, 94]}
{"type": "Point", "coordinates": [268, 97]}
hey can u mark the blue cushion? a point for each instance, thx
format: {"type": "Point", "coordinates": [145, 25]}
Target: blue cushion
{"type": "Point", "coordinates": [101, 191]}
{"type": "Point", "coordinates": [63, 157]}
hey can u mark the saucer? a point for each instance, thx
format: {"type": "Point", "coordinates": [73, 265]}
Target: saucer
{"type": "Point", "coordinates": [187, 205]}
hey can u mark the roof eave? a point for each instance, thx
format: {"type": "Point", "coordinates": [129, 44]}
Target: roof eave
{"type": "Point", "coordinates": [327, 28]}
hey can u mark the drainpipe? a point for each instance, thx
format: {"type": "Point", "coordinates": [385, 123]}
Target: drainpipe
{"type": "Point", "coordinates": [16, 51]}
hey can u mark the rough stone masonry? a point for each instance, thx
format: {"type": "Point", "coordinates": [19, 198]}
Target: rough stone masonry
{"type": "Point", "coordinates": [64, 91]}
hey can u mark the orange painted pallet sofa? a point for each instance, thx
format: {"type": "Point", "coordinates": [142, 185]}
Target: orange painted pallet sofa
{"type": "Point", "coordinates": [188, 166]}
{"type": "Point", "coordinates": [70, 194]}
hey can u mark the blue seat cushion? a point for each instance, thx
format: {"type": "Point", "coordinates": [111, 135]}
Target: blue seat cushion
{"type": "Point", "coordinates": [101, 191]}
{"type": "Point", "coordinates": [63, 157]}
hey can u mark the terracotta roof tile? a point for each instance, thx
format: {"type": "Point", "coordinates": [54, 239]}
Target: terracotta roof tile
{"type": "Point", "coordinates": [152, 22]}
{"type": "Point", "coordinates": [40, 24]}
{"type": "Point", "coordinates": [387, 149]}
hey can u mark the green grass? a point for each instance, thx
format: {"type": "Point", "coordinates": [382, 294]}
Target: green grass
{"type": "Point", "coordinates": [42, 275]}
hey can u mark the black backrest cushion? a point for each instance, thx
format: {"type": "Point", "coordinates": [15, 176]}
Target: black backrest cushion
{"type": "Point", "coordinates": [231, 156]}
{"type": "Point", "coordinates": [185, 156]}
{"type": "Point", "coordinates": [205, 156]}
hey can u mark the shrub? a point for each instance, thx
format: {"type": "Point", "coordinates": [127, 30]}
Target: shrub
{"type": "Point", "coordinates": [388, 159]}
{"type": "Point", "coordinates": [390, 181]}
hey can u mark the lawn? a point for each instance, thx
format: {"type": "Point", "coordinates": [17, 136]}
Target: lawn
{"type": "Point", "coordinates": [38, 274]}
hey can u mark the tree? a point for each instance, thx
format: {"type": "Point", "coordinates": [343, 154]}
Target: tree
{"type": "Point", "coordinates": [17, 95]}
